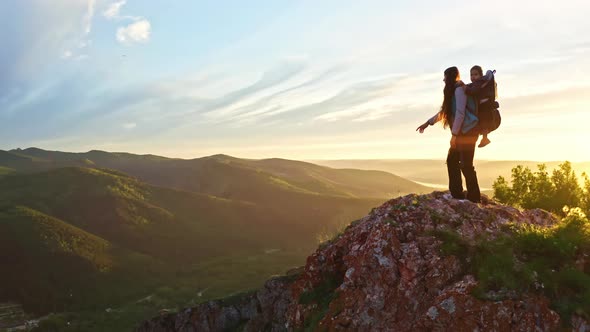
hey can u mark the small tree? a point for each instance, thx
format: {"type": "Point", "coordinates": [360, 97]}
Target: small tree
{"type": "Point", "coordinates": [522, 179]}
{"type": "Point", "coordinates": [539, 190]}
{"type": "Point", "coordinates": [502, 191]}
{"type": "Point", "coordinates": [585, 200]}
{"type": "Point", "coordinates": [567, 187]}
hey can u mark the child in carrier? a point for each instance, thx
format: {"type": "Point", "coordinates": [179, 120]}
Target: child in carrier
{"type": "Point", "coordinates": [483, 89]}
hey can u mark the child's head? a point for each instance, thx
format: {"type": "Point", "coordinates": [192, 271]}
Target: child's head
{"type": "Point", "coordinates": [476, 73]}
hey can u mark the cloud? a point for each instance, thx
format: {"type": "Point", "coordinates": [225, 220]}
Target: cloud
{"type": "Point", "coordinates": [66, 54]}
{"type": "Point", "coordinates": [277, 75]}
{"type": "Point", "coordinates": [89, 15]}
{"type": "Point", "coordinates": [138, 32]}
{"type": "Point", "coordinates": [114, 12]}
{"type": "Point", "coordinates": [130, 125]}
{"type": "Point", "coordinates": [343, 104]}
{"type": "Point", "coordinates": [546, 101]}
{"type": "Point", "coordinates": [271, 103]}
{"type": "Point", "coordinates": [84, 43]}
{"type": "Point", "coordinates": [114, 9]}
{"type": "Point", "coordinates": [69, 55]}
{"type": "Point", "coordinates": [46, 31]}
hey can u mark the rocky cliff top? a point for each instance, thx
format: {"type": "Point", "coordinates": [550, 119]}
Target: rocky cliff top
{"type": "Point", "coordinates": [415, 263]}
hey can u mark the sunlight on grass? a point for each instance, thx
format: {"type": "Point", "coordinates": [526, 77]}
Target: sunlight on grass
{"type": "Point", "coordinates": [547, 260]}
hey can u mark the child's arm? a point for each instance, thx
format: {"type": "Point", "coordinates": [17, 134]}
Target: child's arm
{"type": "Point", "coordinates": [474, 88]}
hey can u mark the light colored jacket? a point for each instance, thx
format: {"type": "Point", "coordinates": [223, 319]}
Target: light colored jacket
{"type": "Point", "coordinates": [463, 121]}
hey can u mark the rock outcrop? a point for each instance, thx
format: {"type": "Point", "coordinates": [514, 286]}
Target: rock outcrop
{"type": "Point", "coordinates": [386, 272]}
{"type": "Point", "coordinates": [262, 310]}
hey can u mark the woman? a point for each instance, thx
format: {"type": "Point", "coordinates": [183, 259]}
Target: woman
{"type": "Point", "coordinates": [463, 126]}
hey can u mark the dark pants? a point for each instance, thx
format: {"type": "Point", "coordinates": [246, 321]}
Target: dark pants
{"type": "Point", "coordinates": [460, 159]}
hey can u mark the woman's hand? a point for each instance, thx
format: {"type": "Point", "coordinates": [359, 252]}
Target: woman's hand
{"type": "Point", "coordinates": [453, 142]}
{"type": "Point", "coordinates": [422, 127]}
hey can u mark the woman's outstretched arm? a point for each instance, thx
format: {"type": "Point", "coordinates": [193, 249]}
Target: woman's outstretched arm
{"type": "Point", "coordinates": [429, 122]}
{"type": "Point", "coordinates": [436, 118]}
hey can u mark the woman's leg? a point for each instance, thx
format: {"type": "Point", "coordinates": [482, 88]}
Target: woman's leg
{"type": "Point", "coordinates": [466, 154]}
{"type": "Point", "coordinates": [454, 170]}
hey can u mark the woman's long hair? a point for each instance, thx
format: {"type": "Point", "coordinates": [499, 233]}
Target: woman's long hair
{"type": "Point", "coordinates": [451, 76]}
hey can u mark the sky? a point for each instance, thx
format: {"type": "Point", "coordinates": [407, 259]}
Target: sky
{"type": "Point", "coordinates": [290, 79]}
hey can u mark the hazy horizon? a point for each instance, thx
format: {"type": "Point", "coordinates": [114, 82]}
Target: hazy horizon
{"type": "Point", "coordinates": [305, 159]}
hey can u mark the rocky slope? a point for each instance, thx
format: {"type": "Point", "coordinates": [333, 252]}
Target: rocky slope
{"type": "Point", "coordinates": [389, 271]}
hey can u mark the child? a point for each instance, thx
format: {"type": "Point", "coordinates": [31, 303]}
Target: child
{"type": "Point", "coordinates": [483, 88]}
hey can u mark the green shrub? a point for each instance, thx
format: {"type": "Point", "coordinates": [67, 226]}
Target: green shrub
{"type": "Point", "coordinates": [322, 295]}
{"type": "Point", "coordinates": [545, 260]}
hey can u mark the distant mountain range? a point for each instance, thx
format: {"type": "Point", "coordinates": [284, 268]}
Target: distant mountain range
{"type": "Point", "coordinates": [223, 175]}
{"type": "Point", "coordinates": [434, 172]}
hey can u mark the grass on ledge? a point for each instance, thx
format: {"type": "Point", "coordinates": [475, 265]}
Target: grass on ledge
{"type": "Point", "coordinates": [550, 261]}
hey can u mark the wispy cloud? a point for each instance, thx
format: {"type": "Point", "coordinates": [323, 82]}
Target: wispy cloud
{"type": "Point", "coordinates": [113, 12]}
{"type": "Point", "coordinates": [219, 108]}
{"type": "Point", "coordinates": [114, 9]}
{"type": "Point", "coordinates": [81, 57]}
{"type": "Point", "coordinates": [66, 54]}
{"type": "Point", "coordinates": [273, 102]}
{"type": "Point", "coordinates": [81, 41]}
{"type": "Point", "coordinates": [549, 100]}
{"type": "Point", "coordinates": [89, 16]}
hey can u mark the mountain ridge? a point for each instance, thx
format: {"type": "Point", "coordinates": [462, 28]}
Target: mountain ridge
{"type": "Point", "coordinates": [222, 174]}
